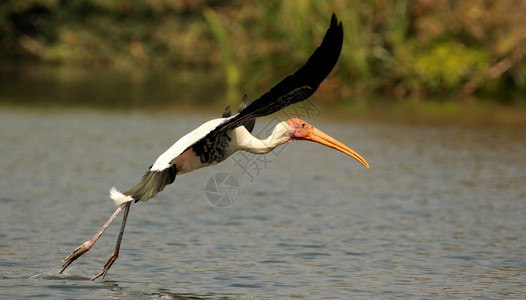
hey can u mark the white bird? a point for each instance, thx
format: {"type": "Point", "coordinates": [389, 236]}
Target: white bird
{"type": "Point", "coordinates": [216, 140]}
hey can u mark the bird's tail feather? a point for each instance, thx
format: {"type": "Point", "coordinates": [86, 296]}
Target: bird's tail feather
{"type": "Point", "coordinates": [119, 197]}
{"type": "Point", "coordinates": [152, 183]}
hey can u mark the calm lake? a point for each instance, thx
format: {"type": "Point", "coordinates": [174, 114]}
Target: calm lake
{"type": "Point", "coordinates": [440, 214]}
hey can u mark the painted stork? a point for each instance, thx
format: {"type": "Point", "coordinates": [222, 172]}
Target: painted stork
{"type": "Point", "coordinates": [216, 140]}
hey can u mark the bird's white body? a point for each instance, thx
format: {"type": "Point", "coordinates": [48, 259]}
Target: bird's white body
{"type": "Point", "coordinates": [240, 139]}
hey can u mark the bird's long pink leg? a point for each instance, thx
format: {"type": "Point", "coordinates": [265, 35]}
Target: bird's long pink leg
{"type": "Point", "coordinates": [115, 253]}
{"type": "Point", "coordinates": [88, 244]}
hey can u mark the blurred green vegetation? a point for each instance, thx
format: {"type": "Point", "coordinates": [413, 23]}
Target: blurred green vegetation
{"type": "Point", "coordinates": [406, 49]}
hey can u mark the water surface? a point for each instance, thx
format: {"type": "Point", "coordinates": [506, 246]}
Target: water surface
{"type": "Point", "coordinates": [440, 214]}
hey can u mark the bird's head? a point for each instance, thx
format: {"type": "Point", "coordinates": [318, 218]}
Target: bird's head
{"type": "Point", "coordinates": [307, 132]}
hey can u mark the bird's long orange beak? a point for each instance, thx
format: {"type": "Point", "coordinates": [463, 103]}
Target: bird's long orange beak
{"type": "Point", "coordinates": [304, 131]}
{"type": "Point", "coordinates": [319, 136]}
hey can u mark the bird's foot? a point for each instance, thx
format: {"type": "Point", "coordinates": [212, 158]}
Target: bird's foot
{"type": "Point", "coordinates": [76, 254]}
{"type": "Point", "coordinates": [107, 266]}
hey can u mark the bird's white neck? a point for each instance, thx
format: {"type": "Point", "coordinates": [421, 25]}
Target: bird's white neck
{"type": "Point", "coordinates": [280, 135]}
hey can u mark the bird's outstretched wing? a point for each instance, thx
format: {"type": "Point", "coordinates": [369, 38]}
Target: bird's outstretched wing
{"type": "Point", "coordinates": [293, 88]}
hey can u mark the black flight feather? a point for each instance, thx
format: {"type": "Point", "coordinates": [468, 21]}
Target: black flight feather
{"type": "Point", "coordinates": [249, 125]}
{"type": "Point", "coordinates": [227, 113]}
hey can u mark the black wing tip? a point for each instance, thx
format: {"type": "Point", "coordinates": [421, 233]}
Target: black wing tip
{"type": "Point", "coordinates": [336, 27]}
{"type": "Point", "coordinates": [335, 37]}
{"type": "Point", "coordinates": [334, 20]}
{"type": "Point", "coordinates": [324, 58]}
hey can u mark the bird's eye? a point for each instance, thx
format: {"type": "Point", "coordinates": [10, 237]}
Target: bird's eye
{"type": "Point", "coordinates": [302, 125]}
